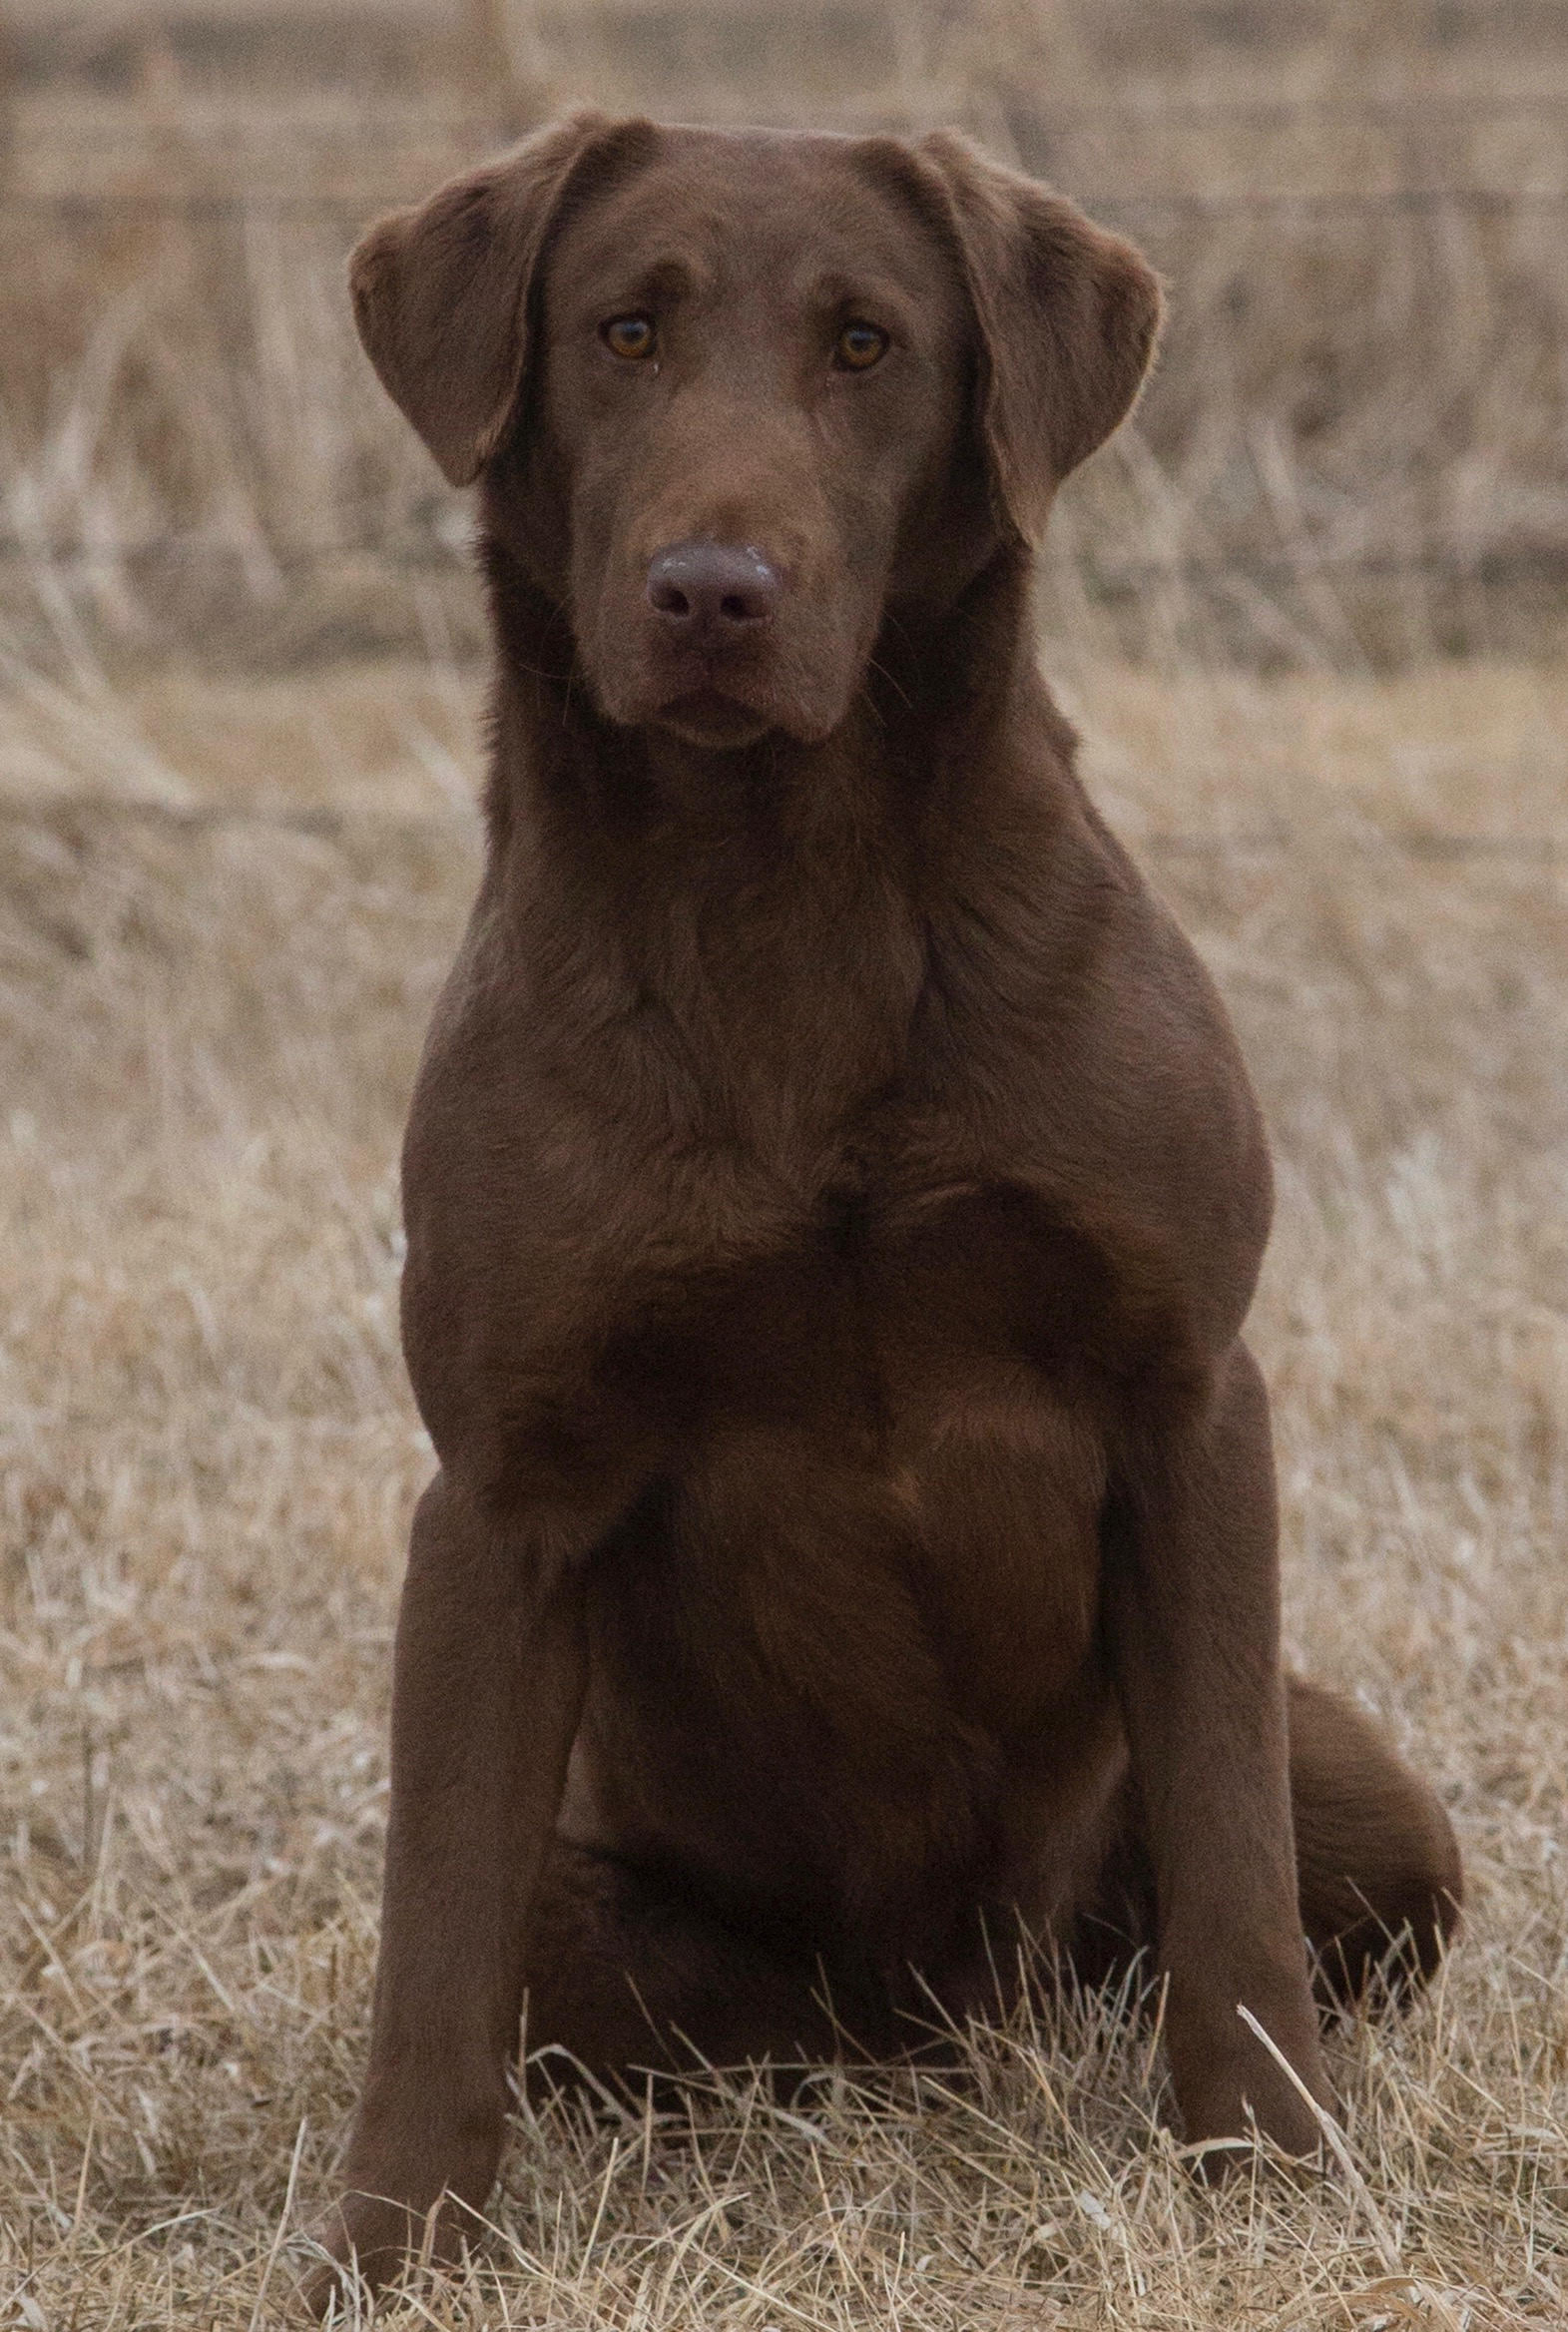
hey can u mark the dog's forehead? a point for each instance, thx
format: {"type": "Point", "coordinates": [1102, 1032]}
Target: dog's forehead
{"type": "Point", "coordinates": [752, 204]}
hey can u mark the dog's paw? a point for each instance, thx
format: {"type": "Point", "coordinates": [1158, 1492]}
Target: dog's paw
{"type": "Point", "coordinates": [1224, 2128]}
{"type": "Point", "coordinates": [367, 2240]}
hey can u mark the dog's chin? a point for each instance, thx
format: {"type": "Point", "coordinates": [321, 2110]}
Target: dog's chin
{"type": "Point", "coordinates": [706, 718]}
{"type": "Point", "coordinates": [692, 709]}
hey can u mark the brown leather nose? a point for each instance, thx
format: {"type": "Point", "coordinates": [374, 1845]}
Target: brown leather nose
{"type": "Point", "coordinates": [708, 590]}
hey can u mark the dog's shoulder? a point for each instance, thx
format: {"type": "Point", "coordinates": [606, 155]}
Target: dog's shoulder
{"type": "Point", "coordinates": [1072, 1048]}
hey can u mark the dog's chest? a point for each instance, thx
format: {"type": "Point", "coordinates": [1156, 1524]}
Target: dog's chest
{"type": "Point", "coordinates": [894, 1467]}
{"type": "Point", "coordinates": [888, 1321]}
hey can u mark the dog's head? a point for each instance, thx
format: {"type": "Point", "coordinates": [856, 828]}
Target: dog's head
{"type": "Point", "coordinates": [738, 396]}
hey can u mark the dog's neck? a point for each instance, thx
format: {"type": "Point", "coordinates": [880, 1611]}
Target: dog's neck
{"type": "Point", "coordinates": [776, 903]}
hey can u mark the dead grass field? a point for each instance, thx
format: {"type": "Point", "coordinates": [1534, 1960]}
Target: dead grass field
{"type": "Point", "coordinates": [210, 1013]}
{"type": "Point", "coordinates": [236, 846]}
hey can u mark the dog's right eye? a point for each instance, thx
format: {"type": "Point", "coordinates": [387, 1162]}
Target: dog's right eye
{"type": "Point", "coordinates": [859, 345]}
{"type": "Point", "coordinates": [631, 336]}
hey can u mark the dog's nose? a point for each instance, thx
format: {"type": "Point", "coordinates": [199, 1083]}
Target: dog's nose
{"type": "Point", "coordinates": [704, 590]}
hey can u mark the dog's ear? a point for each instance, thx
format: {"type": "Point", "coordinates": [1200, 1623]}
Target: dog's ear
{"type": "Point", "coordinates": [1068, 317]}
{"type": "Point", "coordinates": [441, 292]}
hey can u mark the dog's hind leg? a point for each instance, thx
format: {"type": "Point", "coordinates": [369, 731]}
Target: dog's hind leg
{"type": "Point", "coordinates": [1380, 1880]}
{"type": "Point", "coordinates": [1379, 1876]}
{"type": "Point", "coordinates": [627, 1972]}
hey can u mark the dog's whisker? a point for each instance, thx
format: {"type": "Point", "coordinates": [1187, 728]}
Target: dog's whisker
{"type": "Point", "coordinates": [900, 693]}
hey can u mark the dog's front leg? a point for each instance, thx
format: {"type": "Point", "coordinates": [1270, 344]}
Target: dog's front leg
{"type": "Point", "coordinates": [488, 1683]}
{"type": "Point", "coordinates": [1193, 1606]}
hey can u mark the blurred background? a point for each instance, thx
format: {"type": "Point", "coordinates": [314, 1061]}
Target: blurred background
{"type": "Point", "coordinates": [1355, 452]}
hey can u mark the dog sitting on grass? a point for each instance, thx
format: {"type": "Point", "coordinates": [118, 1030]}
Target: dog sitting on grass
{"type": "Point", "coordinates": [834, 1199]}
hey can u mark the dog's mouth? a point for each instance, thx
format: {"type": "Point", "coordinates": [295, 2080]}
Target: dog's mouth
{"type": "Point", "coordinates": [706, 717]}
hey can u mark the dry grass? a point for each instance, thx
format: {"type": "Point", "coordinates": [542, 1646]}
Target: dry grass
{"type": "Point", "coordinates": [225, 905]}
{"type": "Point", "coordinates": [210, 1026]}
{"type": "Point", "coordinates": [1356, 447]}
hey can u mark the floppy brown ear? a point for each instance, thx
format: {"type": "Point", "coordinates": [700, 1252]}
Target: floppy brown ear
{"type": "Point", "coordinates": [1068, 317]}
{"type": "Point", "coordinates": [440, 292]}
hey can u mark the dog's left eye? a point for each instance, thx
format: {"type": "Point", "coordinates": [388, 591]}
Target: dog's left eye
{"type": "Point", "coordinates": [858, 347]}
{"type": "Point", "coordinates": [631, 336]}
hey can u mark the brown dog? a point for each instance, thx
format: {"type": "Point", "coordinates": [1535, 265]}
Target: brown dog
{"type": "Point", "coordinates": [833, 1197]}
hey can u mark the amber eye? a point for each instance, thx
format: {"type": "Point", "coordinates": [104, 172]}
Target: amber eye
{"type": "Point", "coordinates": [860, 346]}
{"type": "Point", "coordinates": [631, 336]}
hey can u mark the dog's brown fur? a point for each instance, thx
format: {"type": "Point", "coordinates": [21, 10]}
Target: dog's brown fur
{"type": "Point", "coordinates": [833, 1197]}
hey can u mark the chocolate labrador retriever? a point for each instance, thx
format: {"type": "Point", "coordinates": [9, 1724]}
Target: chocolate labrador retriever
{"type": "Point", "coordinates": [833, 1197]}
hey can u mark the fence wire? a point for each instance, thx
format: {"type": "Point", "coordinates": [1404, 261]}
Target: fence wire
{"type": "Point", "coordinates": [95, 203]}
{"type": "Point", "coordinates": [102, 562]}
